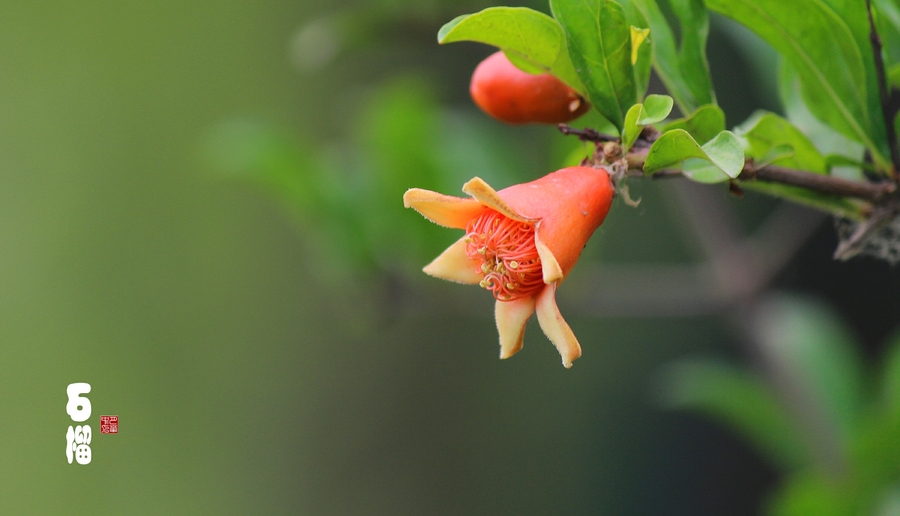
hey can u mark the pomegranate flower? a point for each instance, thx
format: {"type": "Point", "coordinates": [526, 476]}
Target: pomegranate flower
{"type": "Point", "coordinates": [520, 243]}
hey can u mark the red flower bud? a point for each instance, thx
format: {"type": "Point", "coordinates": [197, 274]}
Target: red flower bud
{"type": "Point", "coordinates": [520, 243]}
{"type": "Point", "coordinates": [516, 97]}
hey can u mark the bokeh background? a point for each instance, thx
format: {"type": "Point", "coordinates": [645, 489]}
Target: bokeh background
{"type": "Point", "coordinates": [201, 216]}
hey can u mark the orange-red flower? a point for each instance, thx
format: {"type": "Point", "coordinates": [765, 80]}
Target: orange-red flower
{"type": "Point", "coordinates": [520, 243]}
{"type": "Point", "coordinates": [516, 97]}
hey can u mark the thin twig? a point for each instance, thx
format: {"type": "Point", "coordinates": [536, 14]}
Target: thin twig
{"type": "Point", "coordinates": [587, 134]}
{"type": "Point", "coordinates": [877, 45]}
{"type": "Point", "coordinates": [853, 245]}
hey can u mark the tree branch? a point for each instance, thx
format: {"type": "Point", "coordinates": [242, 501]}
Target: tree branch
{"type": "Point", "coordinates": [877, 45]}
{"type": "Point", "coordinates": [587, 134]}
{"type": "Point", "coordinates": [821, 183]}
{"type": "Point", "coordinates": [874, 192]}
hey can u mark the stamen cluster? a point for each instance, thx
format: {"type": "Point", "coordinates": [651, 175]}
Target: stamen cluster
{"type": "Point", "coordinates": [507, 254]}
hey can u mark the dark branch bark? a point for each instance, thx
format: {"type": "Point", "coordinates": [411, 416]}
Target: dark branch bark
{"type": "Point", "coordinates": [821, 183]}
{"type": "Point", "coordinates": [874, 192]}
{"type": "Point", "coordinates": [587, 134]}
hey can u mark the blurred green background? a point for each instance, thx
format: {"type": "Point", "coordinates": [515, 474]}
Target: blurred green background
{"type": "Point", "coordinates": [201, 216]}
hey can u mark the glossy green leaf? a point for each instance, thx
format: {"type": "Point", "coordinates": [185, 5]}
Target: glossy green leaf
{"type": "Point", "coordinates": [808, 344]}
{"type": "Point", "coordinates": [655, 108]}
{"type": "Point", "coordinates": [823, 50]}
{"type": "Point", "coordinates": [703, 124]}
{"type": "Point", "coordinates": [532, 40]}
{"type": "Point", "coordinates": [718, 160]}
{"type": "Point", "coordinates": [764, 132]}
{"type": "Point", "coordinates": [703, 171]}
{"type": "Point", "coordinates": [682, 67]}
{"type": "Point", "coordinates": [775, 154]}
{"type": "Point", "coordinates": [740, 400]}
{"type": "Point", "coordinates": [826, 139]}
{"type": "Point", "coordinates": [854, 14]}
{"type": "Point", "coordinates": [598, 38]}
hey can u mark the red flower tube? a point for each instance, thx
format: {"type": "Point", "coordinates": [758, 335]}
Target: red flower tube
{"type": "Point", "coordinates": [520, 243]}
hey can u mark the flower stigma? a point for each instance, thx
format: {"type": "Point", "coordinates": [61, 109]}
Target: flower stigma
{"type": "Point", "coordinates": [508, 255]}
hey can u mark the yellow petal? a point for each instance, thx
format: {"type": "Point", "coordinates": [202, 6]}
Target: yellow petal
{"type": "Point", "coordinates": [549, 266]}
{"type": "Point", "coordinates": [484, 194]}
{"type": "Point", "coordinates": [454, 265]}
{"type": "Point", "coordinates": [555, 326]}
{"type": "Point", "coordinates": [445, 210]}
{"type": "Point", "coordinates": [511, 318]}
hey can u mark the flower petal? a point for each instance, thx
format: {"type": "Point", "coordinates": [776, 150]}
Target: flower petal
{"type": "Point", "coordinates": [549, 266]}
{"type": "Point", "coordinates": [570, 203]}
{"type": "Point", "coordinates": [511, 318]}
{"type": "Point", "coordinates": [555, 326]}
{"type": "Point", "coordinates": [483, 193]}
{"type": "Point", "coordinates": [454, 265]}
{"type": "Point", "coordinates": [445, 210]}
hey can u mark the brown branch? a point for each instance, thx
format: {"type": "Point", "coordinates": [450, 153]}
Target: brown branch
{"type": "Point", "coordinates": [830, 185]}
{"type": "Point", "coordinates": [821, 183]}
{"type": "Point", "coordinates": [877, 45]}
{"type": "Point", "coordinates": [874, 192]}
{"type": "Point", "coordinates": [587, 134]}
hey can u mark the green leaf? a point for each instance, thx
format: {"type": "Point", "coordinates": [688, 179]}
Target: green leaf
{"type": "Point", "coordinates": [703, 124]}
{"type": "Point", "coordinates": [599, 43]}
{"type": "Point", "coordinates": [836, 160]}
{"type": "Point", "coordinates": [718, 160]}
{"type": "Point", "coordinates": [891, 379]}
{"type": "Point", "coordinates": [532, 40]}
{"type": "Point", "coordinates": [887, 20]}
{"type": "Point", "coordinates": [894, 76]}
{"type": "Point", "coordinates": [740, 400]}
{"type": "Point", "coordinates": [815, 353]}
{"type": "Point", "coordinates": [775, 154]}
{"type": "Point", "coordinates": [855, 15]}
{"type": "Point", "coordinates": [682, 67]}
{"type": "Point", "coordinates": [823, 50]}
{"type": "Point", "coordinates": [826, 139]}
{"type": "Point", "coordinates": [764, 132]}
{"type": "Point", "coordinates": [655, 108]}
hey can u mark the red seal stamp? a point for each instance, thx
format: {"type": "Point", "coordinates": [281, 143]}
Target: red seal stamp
{"type": "Point", "coordinates": [109, 424]}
